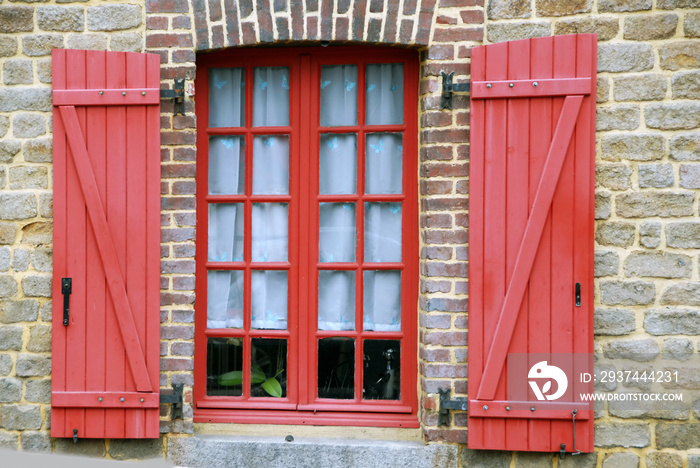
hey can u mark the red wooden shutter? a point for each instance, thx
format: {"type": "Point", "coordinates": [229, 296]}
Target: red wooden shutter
{"type": "Point", "coordinates": [531, 213]}
{"type": "Point", "coordinates": [105, 378]}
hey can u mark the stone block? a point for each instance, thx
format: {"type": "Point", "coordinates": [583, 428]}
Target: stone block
{"type": "Point", "coordinates": [684, 436]}
{"type": "Point", "coordinates": [5, 256]}
{"type": "Point", "coordinates": [649, 204]}
{"type": "Point", "coordinates": [32, 365]}
{"type": "Point", "coordinates": [60, 18]}
{"type": "Point", "coordinates": [606, 263]}
{"type": "Point", "coordinates": [686, 85]}
{"type": "Point", "coordinates": [684, 147]}
{"type": "Point", "coordinates": [664, 460]}
{"type": "Point", "coordinates": [621, 460]}
{"type": "Point", "coordinates": [8, 150]}
{"type": "Point", "coordinates": [28, 177]}
{"type": "Point", "coordinates": [602, 89]}
{"type": "Point", "coordinates": [38, 150]}
{"type": "Point", "coordinates": [20, 417]}
{"type": "Point", "coordinates": [15, 19]}
{"type": "Point", "coordinates": [28, 99]}
{"type": "Point", "coordinates": [678, 349]}
{"type": "Point", "coordinates": [560, 8]}
{"type": "Point", "coordinates": [38, 391]}
{"type": "Point", "coordinates": [643, 350]}
{"type": "Point", "coordinates": [605, 27]}
{"type": "Point", "coordinates": [583, 460]}
{"type": "Point", "coordinates": [668, 410]}
{"type": "Point", "coordinates": [693, 461]}
{"type": "Point", "coordinates": [613, 176]}
{"type": "Point", "coordinates": [627, 292]}
{"type": "Point", "coordinates": [532, 459]}
{"type": "Point", "coordinates": [622, 117]}
{"type": "Point", "coordinates": [46, 205]}
{"type": "Point", "coordinates": [625, 57]}
{"type": "Point", "coordinates": [650, 27]}
{"type": "Point", "coordinates": [499, 32]}
{"type": "Point", "coordinates": [508, 9]}
{"type": "Point", "coordinates": [615, 233]}
{"type": "Point", "coordinates": [613, 322]}
{"type": "Point", "coordinates": [17, 71]}
{"type": "Point", "coordinates": [41, 44]}
{"type": "Point", "coordinates": [93, 448]}
{"type": "Point", "coordinates": [36, 286]}
{"type": "Point", "coordinates": [134, 449]}
{"type": "Point", "coordinates": [613, 434]}
{"type": "Point", "coordinates": [5, 363]}
{"type": "Point", "coordinates": [4, 125]}
{"type": "Point", "coordinates": [619, 6]}
{"type": "Point", "coordinates": [42, 259]}
{"type": "Point", "coordinates": [25, 310]}
{"type": "Point", "coordinates": [113, 17]}
{"type": "Point", "coordinates": [8, 46]}
{"type": "Point", "coordinates": [39, 339]}
{"type": "Point", "coordinates": [602, 205]}
{"type": "Point", "coordinates": [10, 390]}
{"type": "Point", "coordinates": [690, 176]}
{"type": "Point", "coordinates": [655, 175]}
{"type": "Point", "coordinates": [674, 4]}
{"type": "Point", "coordinates": [37, 233]}
{"type": "Point", "coordinates": [682, 294]}
{"type": "Point", "coordinates": [8, 286]}
{"type": "Point", "coordinates": [36, 441]}
{"type": "Point", "coordinates": [43, 70]}
{"type": "Point", "coordinates": [643, 87]}
{"type": "Point", "coordinates": [28, 125]}
{"type": "Point", "coordinates": [684, 235]}
{"type": "Point", "coordinates": [680, 55]}
{"type": "Point", "coordinates": [673, 115]}
{"type": "Point", "coordinates": [633, 147]}
{"type": "Point", "coordinates": [8, 440]}
{"type": "Point", "coordinates": [672, 322]}
{"type": "Point", "coordinates": [658, 265]}
{"type": "Point", "coordinates": [128, 42]}
{"type": "Point", "coordinates": [691, 24]}
{"type": "Point", "coordinates": [20, 259]}
{"type": "Point", "coordinates": [45, 311]}
{"type": "Point", "coordinates": [650, 234]}
{"type": "Point", "coordinates": [87, 41]}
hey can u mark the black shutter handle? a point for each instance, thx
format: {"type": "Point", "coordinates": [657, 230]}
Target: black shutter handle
{"type": "Point", "coordinates": [578, 294]}
{"type": "Point", "coordinates": [66, 289]}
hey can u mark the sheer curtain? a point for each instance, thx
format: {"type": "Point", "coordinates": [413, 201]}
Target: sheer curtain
{"type": "Point", "coordinates": [338, 176]}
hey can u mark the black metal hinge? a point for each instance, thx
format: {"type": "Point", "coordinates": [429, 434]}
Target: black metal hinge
{"type": "Point", "coordinates": [448, 87]}
{"type": "Point", "coordinates": [177, 94]}
{"type": "Point", "coordinates": [175, 399]}
{"type": "Point", "coordinates": [460, 404]}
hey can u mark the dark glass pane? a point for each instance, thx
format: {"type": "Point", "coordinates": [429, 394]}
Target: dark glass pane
{"type": "Point", "coordinates": [268, 372]}
{"type": "Point", "coordinates": [382, 370]}
{"type": "Point", "coordinates": [336, 368]}
{"type": "Point", "coordinates": [225, 366]}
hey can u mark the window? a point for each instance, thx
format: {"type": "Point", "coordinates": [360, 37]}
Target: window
{"type": "Point", "coordinates": [307, 237]}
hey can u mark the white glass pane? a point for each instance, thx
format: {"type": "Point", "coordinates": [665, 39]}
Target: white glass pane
{"type": "Point", "coordinates": [226, 165]}
{"type": "Point", "coordinates": [338, 164]}
{"type": "Point", "coordinates": [271, 165]}
{"type": "Point", "coordinates": [225, 299]}
{"type": "Point", "coordinates": [382, 300]}
{"type": "Point", "coordinates": [382, 232]}
{"type": "Point", "coordinates": [336, 300]}
{"type": "Point", "coordinates": [384, 94]}
{"type": "Point", "coordinates": [269, 300]}
{"type": "Point", "coordinates": [383, 163]}
{"type": "Point", "coordinates": [270, 228]}
{"type": "Point", "coordinates": [226, 97]}
{"type": "Point", "coordinates": [225, 232]}
{"type": "Point", "coordinates": [337, 233]}
{"type": "Point", "coordinates": [270, 96]}
{"type": "Point", "coordinates": [338, 95]}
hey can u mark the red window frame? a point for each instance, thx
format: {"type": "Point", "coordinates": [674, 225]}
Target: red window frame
{"type": "Point", "coordinates": [301, 404]}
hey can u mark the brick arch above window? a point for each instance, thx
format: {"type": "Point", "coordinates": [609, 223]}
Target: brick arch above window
{"type": "Point", "coordinates": [228, 23]}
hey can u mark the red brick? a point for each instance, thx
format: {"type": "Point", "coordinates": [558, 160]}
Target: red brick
{"type": "Point", "coordinates": [184, 188]}
{"type": "Point", "coordinates": [157, 22]}
{"type": "Point", "coordinates": [429, 403]}
{"type": "Point", "coordinates": [183, 283]}
{"type": "Point", "coordinates": [406, 31]}
{"type": "Point", "coordinates": [436, 69]}
{"type": "Point", "coordinates": [326, 16]}
{"type": "Point", "coordinates": [341, 29]}
{"type": "Point", "coordinates": [458, 34]}
{"type": "Point", "coordinates": [460, 3]}
{"type": "Point", "coordinates": [427, 286]}
{"type": "Point", "coordinates": [178, 138]}
{"type": "Point", "coordinates": [184, 250]}
{"type": "Point", "coordinates": [214, 10]}
{"type": "Point", "coordinates": [446, 435]}
{"type": "Point", "coordinates": [435, 355]}
{"type": "Point", "coordinates": [443, 204]}
{"type": "Point", "coordinates": [446, 269]}
{"type": "Point", "coordinates": [174, 332]}
{"type": "Point", "coordinates": [182, 56]}
{"type": "Point", "coordinates": [432, 386]}
{"type": "Point", "coordinates": [436, 220]}
{"type": "Point", "coordinates": [462, 253]}
{"type": "Point", "coordinates": [185, 219]}
{"type": "Point", "coordinates": [463, 152]}
{"type": "Point", "coordinates": [444, 136]}
{"type": "Point", "coordinates": [462, 287]}
{"type": "Point", "coordinates": [461, 354]}
{"type": "Point", "coordinates": [429, 86]}
{"type": "Point", "coordinates": [177, 266]}
{"type": "Point", "coordinates": [444, 170]}
{"type": "Point", "coordinates": [164, 283]}
{"type": "Point", "coordinates": [472, 16]}
{"type": "Point", "coordinates": [374, 29]}
{"type": "Point", "coordinates": [170, 171]}
{"type": "Point", "coordinates": [184, 154]}
{"type": "Point", "coordinates": [462, 186]}
{"type": "Point", "coordinates": [446, 237]}
{"type": "Point", "coordinates": [164, 154]}
{"type": "Point", "coordinates": [182, 22]}
{"type": "Point", "coordinates": [442, 19]}
{"type": "Point", "coordinates": [177, 235]}
{"type": "Point", "coordinates": [163, 56]}
{"type": "Point", "coordinates": [446, 370]}
{"type": "Point", "coordinates": [459, 419]}
{"type": "Point", "coordinates": [248, 30]}
{"type": "Point", "coordinates": [165, 122]}
{"type": "Point", "coordinates": [164, 188]}
{"type": "Point", "coordinates": [464, 52]}
{"type": "Point", "coordinates": [441, 321]}
{"type": "Point", "coordinates": [436, 119]}
{"type": "Point", "coordinates": [165, 219]}
{"type": "Point", "coordinates": [358, 20]}
{"type": "Point", "coordinates": [428, 153]}
{"type": "Point", "coordinates": [424, 27]}
{"type": "Point", "coordinates": [297, 19]}
{"type": "Point", "coordinates": [311, 28]}
{"type": "Point", "coordinates": [446, 338]}
{"type": "Point", "coordinates": [186, 72]}
{"type": "Point", "coordinates": [409, 7]}
{"type": "Point", "coordinates": [462, 321]}
{"type": "Point", "coordinates": [176, 364]}
{"type": "Point", "coordinates": [265, 21]}
{"type": "Point", "coordinates": [182, 349]}
{"type": "Point", "coordinates": [460, 387]}
{"type": "Point", "coordinates": [164, 251]}
{"type": "Point", "coordinates": [168, 40]}
{"type": "Point", "coordinates": [436, 253]}
{"type": "Point", "coordinates": [167, 6]}
{"type": "Point", "coordinates": [177, 203]}
{"type": "Point", "coordinates": [282, 28]}
{"type": "Point", "coordinates": [430, 102]}
{"type": "Point", "coordinates": [463, 118]}
{"type": "Point", "coordinates": [435, 187]}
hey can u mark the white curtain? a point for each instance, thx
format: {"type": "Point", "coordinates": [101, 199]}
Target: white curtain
{"type": "Point", "coordinates": [338, 175]}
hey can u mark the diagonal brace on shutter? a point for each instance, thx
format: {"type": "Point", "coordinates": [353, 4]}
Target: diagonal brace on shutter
{"type": "Point", "coordinates": [108, 253]}
{"type": "Point", "coordinates": [528, 248]}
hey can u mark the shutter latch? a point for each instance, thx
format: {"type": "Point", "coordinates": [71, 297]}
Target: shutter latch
{"type": "Point", "coordinates": [66, 289]}
{"type": "Point", "coordinates": [175, 399]}
{"type": "Point", "coordinates": [448, 87]}
{"type": "Point", "coordinates": [460, 404]}
{"type": "Point", "coordinates": [177, 94]}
